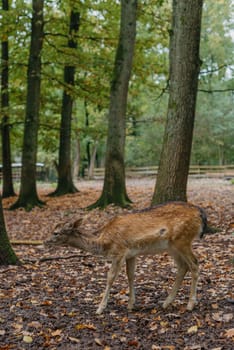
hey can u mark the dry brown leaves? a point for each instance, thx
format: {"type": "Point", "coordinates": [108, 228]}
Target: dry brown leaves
{"type": "Point", "coordinates": [50, 304]}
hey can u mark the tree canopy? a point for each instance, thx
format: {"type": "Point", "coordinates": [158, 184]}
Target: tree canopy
{"type": "Point", "coordinates": [148, 91]}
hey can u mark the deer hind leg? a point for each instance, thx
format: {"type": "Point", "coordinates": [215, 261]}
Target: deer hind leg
{"type": "Point", "coordinates": [185, 260]}
{"type": "Point", "coordinates": [182, 270]}
{"type": "Point", "coordinates": [130, 268]}
{"type": "Point", "coordinates": [111, 276]}
{"type": "Point", "coordinates": [193, 267]}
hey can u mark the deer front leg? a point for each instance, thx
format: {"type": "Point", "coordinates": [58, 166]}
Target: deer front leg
{"type": "Point", "coordinates": [111, 276]}
{"type": "Point", "coordinates": [130, 267]}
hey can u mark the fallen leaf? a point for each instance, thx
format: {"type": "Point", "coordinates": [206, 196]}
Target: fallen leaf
{"type": "Point", "coordinates": [153, 326]}
{"type": "Point", "coordinates": [72, 314]}
{"type": "Point", "coordinates": [56, 333]}
{"type": "Point", "coordinates": [156, 347]}
{"type": "Point", "coordinates": [229, 333]}
{"type": "Point", "coordinates": [227, 317]}
{"type": "Point", "coordinates": [164, 324]}
{"type": "Point", "coordinates": [218, 316]}
{"type": "Point", "coordinates": [98, 341]}
{"type": "Point", "coordinates": [17, 326]}
{"type": "Point", "coordinates": [47, 302]}
{"type": "Point", "coordinates": [133, 343]}
{"type": "Point", "coordinates": [35, 324]}
{"type": "Point", "coordinates": [123, 339]}
{"type": "Point", "coordinates": [75, 340]}
{"type": "Point", "coordinates": [85, 326]}
{"type": "Point", "coordinates": [34, 301]}
{"type": "Point", "coordinates": [192, 329]}
{"type": "Point", "coordinates": [27, 339]}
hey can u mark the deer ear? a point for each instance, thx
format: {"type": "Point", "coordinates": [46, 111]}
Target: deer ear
{"type": "Point", "coordinates": [77, 223]}
{"type": "Point", "coordinates": [67, 226]}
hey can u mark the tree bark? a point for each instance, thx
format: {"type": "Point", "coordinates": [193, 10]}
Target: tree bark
{"type": "Point", "coordinates": [28, 197]}
{"type": "Point", "coordinates": [92, 160]}
{"type": "Point", "coordinates": [7, 254]}
{"type": "Point", "coordinates": [173, 171]}
{"type": "Point", "coordinates": [65, 181]}
{"type": "Point", "coordinates": [8, 189]}
{"type": "Point", "coordinates": [76, 156]}
{"type": "Point", "coordinates": [114, 189]}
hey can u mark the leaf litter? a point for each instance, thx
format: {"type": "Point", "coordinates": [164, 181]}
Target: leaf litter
{"type": "Point", "coordinates": [49, 302]}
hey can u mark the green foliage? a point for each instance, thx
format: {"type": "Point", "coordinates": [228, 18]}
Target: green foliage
{"type": "Point", "coordinates": [214, 132]}
{"type": "Point", "coordinates": [214, 129]}
{"type": "Point", "coordinates": [94, 59]}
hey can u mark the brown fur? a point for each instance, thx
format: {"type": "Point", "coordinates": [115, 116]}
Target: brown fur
{"type": "Point", "coordinates": [170, 227]}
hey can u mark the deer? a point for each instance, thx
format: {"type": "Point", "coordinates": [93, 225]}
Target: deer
{"type": "Point", "coordinates": [170, 227]}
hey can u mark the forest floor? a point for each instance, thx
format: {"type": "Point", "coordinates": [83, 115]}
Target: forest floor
{"type": "Point", "coordinates": [49, 302]}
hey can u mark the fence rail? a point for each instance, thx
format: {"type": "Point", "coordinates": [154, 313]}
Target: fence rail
{"type": "Point", "coordinates": [226, 171]}
{"type": "Point", "coordinates": [16, 171]}
{"type": "Point", "coordinates": [222, 171]}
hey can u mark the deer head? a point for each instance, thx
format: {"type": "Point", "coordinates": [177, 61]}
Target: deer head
{"type": "Point", "coordinates": [64, 234]}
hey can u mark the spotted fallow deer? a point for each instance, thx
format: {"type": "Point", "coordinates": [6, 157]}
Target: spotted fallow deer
{"type": "Point", "coordinates": [169, 227]}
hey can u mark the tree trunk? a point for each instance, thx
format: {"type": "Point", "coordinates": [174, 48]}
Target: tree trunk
{"type": "Point", "coordinates": [76, 157]}
{"type": "Point", "coordinates": [114, 189]}
{"type": "Point", "coordinates": [88, 156]}
{"type": "Point", "coordinates": [28, 197]}
{"type": "Point", "coordinates": [7, 254]}
{"type": "Point", "coordinates": [76, 162]}
{"type": "Point", "coordinates": [8, 189]}
{"type": "Point", "coordinates": [65, 181]}
{"type": "Point", "coordinates": [92, 160]}
{"type": "Point", "coordinates": [184, 69]}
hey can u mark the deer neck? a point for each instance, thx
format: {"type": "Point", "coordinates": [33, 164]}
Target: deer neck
{"type": "Point", "coordinates": [89, 244]}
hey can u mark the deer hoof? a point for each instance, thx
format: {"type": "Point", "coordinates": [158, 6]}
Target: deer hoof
{"type": "Point", "coordinates": [190, 306]}
{"type": "Point", "coordinates": [99, 310]}
{"type": "Point", "coordinates": [166, 303]}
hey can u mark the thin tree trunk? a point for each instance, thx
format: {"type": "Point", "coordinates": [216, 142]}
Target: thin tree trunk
{"type": "Point", "coordinates": [76, 162]}
{"type": "Point", "coordinates": [28, 197]}
{"type": "Point", "coordinates": [8, 189]}
{"type": "Point", "coordinates": [114, 189]}
{"type": "Point", "coordinates": [92, 160]}
{"type": "Point", "coordinates": [76, 152]}
{"type": "Point", "coordinates": [87, 125]}
{"type": "Point", "coordinates": [7, 254]}
{"type": "Point", "coordinates": [65, 181]}
{"type": "Point", "coordinates": [173, 171]}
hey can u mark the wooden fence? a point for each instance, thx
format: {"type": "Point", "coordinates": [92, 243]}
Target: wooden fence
{"type": "Point", "coordinates": [222, 171]}
{"type": "Point", "coordinates": [16, 171]}
{"type": "Point", "coordinates": [226, 171]}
